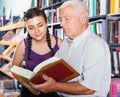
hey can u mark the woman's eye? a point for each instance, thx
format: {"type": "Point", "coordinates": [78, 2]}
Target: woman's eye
{"type": "Point", "coordinates": [40, 25]}
{"type": "Point", "coordinates": [30, 28]}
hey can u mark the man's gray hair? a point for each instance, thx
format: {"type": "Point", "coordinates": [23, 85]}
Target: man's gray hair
{"type": "Point", "coordinates": [79, 5]}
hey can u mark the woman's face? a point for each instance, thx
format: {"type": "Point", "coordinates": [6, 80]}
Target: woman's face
{"type": "Point", "coordinates": [37, 27]}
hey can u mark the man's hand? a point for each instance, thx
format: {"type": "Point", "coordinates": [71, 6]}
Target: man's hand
{"type": "Point", "coordinates": [33, 90]}
{"type": "Point", "coordinates": [48, 86]}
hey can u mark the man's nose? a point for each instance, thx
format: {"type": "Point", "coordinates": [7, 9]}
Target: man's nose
{"type": "Point", "coordinates": [62, 22]}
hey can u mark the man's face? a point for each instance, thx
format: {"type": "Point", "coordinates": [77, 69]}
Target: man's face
{"type": "Point", "coordinates": [70, 21]}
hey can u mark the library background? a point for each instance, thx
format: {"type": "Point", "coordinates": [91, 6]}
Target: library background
{"type": "Point", "coordinates": [104, 18]}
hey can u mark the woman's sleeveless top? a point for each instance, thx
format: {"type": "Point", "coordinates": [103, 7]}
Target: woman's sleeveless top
{"type": "Point", "coordinates": [36, 58]}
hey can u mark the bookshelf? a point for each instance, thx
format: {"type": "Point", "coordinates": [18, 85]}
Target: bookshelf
{"type": "Point", "coordinates": [14, 33]}
{"type": "Point", "coordinates": [110, 22]}
{"type": "Point", "coordinates": [97, 10]}
{"type": "Point", "coordinates": [113, 28]}
{"type": "Point", "coordinates": [10, 44]}
{"type": "Point", "coordinates": [13, 41]}
{"type": "Point", "coordinates": [51, 8]}
{"type": "Point", "coordinates": [102, 16]}
{"type": "Point", "coordinates": [107, 22]}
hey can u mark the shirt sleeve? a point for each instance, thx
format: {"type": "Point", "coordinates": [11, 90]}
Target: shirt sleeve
{"type": "Point", "coordinates": [96, 62]}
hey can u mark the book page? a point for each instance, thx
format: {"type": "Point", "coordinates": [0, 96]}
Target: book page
{"type": "Point", "coordinates": [46, 62]}
{"type": "Point", "coordinates": [22, 72]}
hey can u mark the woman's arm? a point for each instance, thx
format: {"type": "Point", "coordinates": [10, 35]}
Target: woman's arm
{"type": "Point", "coordinates": [18, 59]}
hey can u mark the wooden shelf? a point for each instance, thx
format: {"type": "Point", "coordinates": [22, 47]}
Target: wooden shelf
{"type": "Point", "coordinates": [1, 95]}
{"type": "Point", "coordinates": [5, 58]}
{"type": "Point", "coordinates": [2, 42]}
{"type": "Point", "coordinates": [9, 74]}
{"type": "Point", "coordinates": [12, 26]}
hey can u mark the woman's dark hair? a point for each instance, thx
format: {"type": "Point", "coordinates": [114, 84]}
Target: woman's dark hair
{"type": "Point", "coordinates": [31, 13]}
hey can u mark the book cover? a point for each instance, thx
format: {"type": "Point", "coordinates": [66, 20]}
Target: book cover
{"type": "Point", "coordinates": [104, 30]}
{"type": "Point", "coordinates": [8, 36]}
{"type": "Point", "coordinates": [11, 94]}
{"type": "Point", "coordinates": [115, 62]}
{"type": "Point", "coordinates": [8, 84]}
{"type": "Point", "coordinates": [112, 6]}
{"type": "Point", "coordinates": [103, 7]}
{"type": "Point", "coordinates": [118, 58]}
{"type": "Point", "coordinates": [54, 67]}
{"type": "Point", "coordinates": [115, 88]}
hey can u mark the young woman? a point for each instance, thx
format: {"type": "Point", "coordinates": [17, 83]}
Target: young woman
{"type": "Point", "coordinates": [37, 47]}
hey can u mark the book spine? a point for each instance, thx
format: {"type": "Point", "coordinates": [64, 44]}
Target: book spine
{"type": "Point", "coordinates": [115, 88]}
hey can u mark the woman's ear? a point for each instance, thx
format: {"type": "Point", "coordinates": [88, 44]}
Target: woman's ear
{"type": "Point", "coordinates": [26, 26]}
{"type": "Point", "coordinates": [47, 21]}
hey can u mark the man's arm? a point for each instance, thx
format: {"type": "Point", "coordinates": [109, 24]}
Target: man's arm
{"type": "Point", "coordinates": [74, 88]}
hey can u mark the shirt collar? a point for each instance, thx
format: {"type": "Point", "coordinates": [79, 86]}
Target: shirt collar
{"type": "Point", "coordinates": [86, 33]}
{"type": "Point", "coordinates": [69, 41]}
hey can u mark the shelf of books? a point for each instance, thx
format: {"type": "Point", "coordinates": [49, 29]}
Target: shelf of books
{"type": "Point", "coordinates": [13, 34]}
{"type": "Point", "coordinates": [104, 19]}
{"type": "Point", "coordinates": [107, 25]}
{"type": "Point", "coordinates": [105, 22]}
{"type": "Point", "coordinates": [51, 8]}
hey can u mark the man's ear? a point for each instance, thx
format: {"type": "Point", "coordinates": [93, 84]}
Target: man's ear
{"type": "Point", "coordinates": [83, 18]}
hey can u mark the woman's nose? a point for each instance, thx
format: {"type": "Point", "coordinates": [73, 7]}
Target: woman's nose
{"type": "Point", "coordinates": [36, 30]}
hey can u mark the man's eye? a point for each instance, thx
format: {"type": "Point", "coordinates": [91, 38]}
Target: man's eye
{"type": "Point", "coordinates": [66, 19]}
{"type": "Point", "coordinates": [60, 19]}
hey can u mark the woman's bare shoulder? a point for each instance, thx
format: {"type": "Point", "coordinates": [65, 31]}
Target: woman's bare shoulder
{"type": "Point", "coordinates": [59, 40]}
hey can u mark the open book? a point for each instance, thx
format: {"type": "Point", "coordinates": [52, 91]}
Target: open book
{"type": "Point", "coordinates": [54, 67]}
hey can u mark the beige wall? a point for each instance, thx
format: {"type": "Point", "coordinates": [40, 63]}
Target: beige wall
{"type": "Point", "coordinates": [17, 6]}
